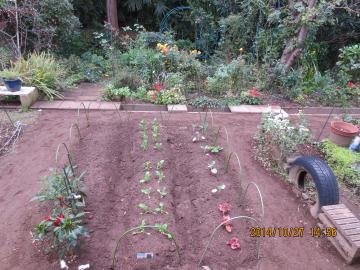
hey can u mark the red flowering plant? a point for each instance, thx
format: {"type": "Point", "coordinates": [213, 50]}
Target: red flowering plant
{"type": "Point", "coordinates": [251, 97]}
{"type": "Point", "coordinates": [64, 229]}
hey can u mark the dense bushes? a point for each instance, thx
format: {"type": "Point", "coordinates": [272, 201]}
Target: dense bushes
{"type": "Point", "coordinates": [344, 163]}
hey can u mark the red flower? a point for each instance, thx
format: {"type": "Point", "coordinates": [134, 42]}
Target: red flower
{"type": "Point", "coordinates": [228, 226]}
{"type": "Point", "coordinates": [234, 243]}
{"type": "Point", "coordinates": [351, 84]}
{"type": "Point", "coordinates": [158, 86]}
{"type": "Point", "coordinates": [224, 208]}
{"type": "Point", "coordinates": [48, 218]}
{"type": "Point", "coordinates": [58, 220]}
{"type": "Point", "coordinates": [254, 92]}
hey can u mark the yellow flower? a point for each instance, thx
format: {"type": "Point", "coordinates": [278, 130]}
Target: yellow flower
{"type": "Point", "coordinates": [241, 49]}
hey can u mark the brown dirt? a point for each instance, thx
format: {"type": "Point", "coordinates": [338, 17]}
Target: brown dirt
{"type": "Point", "coordinates": [110, 153]}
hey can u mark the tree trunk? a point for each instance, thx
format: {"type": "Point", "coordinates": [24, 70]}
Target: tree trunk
{"type": "Point", "coordinates": [295, 45]}
{"type": "Point", "coordinates": [112, 14]}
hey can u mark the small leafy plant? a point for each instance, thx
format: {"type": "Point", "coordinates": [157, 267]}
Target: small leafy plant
{"type": "Point", "coordinates": [160, 165]}
{"type": "Point", "coordinates": [145, 141]}
{"type": "Point", "coordinates": [147, 191]}
{"type": "Point", "coordinates": [147, 177]}
{"type": "Point", "coordinates": [161, 208]}
{"type": "Point", "coordinates": [155, 130]}
{"type": "Point", "coordinates": [144, 208]}
{"type": "Point", "coordinates": [157, 146]}
{"type": "Point", "coordinates": [212, 149]}
{"type": "Point", "coordinates": [162, 192]}
{"type": "Point", "coordinates": [141, 227]}
{"type": "Point", "coordinates": [163, 229]}
{"type": "Point", "coordinates": [160, 175]}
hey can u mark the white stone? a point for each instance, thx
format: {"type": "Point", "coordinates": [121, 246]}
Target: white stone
{"type": "Point", "coordinates": [177, 108]}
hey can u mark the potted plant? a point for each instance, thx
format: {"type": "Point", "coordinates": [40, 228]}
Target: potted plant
{"type": "Point", "coordinates": [342, 133]}
{"type": "Point", "coordinates": [11, 80]}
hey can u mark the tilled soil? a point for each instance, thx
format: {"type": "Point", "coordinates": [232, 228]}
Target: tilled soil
{"type": "Point", "coordinates": [110, 153]}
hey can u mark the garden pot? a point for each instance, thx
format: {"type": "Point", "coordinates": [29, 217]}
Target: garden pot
{"type": "Point", "coordinates": [13, 85]}
{"type": "Point", "coordinates": [342, 133]}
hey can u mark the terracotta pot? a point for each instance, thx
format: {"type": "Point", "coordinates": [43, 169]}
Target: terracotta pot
{"type": "Point", "coordinates": [342, 133]}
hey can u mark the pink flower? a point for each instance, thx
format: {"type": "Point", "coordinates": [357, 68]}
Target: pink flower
{"type": "Point", "coordinates": [224, 208]}
{"type": "Point", "coordinates": [351, 84]}
{"type": "Point", "coordinates": [234, 243]}
{"type": "Point", "coordinates": [228, 226]}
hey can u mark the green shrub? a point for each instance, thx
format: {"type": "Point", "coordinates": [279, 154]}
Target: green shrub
{"type": "Point", "coordinates": [113, 93]}
{"type": "Point", "coordinates": [125, 77]}
{"type": "Point", "coordinates": [275, 131]}
{"type": "Point", "coordinates": [344, 163]}
{"type": "Point", "coordinates": [350, 60]}
{"type": "Point", "coordinates": [171, 96]}
{"type": "Point", "coordinates": [42, 71]}
{"type": "Point", "coordinates": [140, 93]}
{"type": "Point", "coordinates": [147, 63]}
{"type": "Point", "coordinates": [204, 102]}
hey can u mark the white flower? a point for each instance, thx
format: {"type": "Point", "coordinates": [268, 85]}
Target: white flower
{"type": "Point", "coordinates": [83, 267]}
{"type": "Point", "coordinates": [194, 139]}
{"type": "Point", "coordinates": [203, 138]}
{"type": "Point", "coordinates": [214, 190]}
{"type": "Point", "coordinates": [63, 265]}
{"type": "Point", "coordinates": [214, 171]}
{"type": "Point", "coordinates": [77, 197]}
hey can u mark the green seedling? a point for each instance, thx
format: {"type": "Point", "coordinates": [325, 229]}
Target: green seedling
{"type": "Point", "coordinates": [161, 209]}
{"type": "Point", "coordinates": [157, 146]}
{"type": "Point", "coordinates": [147, 191]}
{"type": "Point", "coordinates": [160, 175]}
{"type": "Point", "coordinates": [162, 228]}
{"type": "Point", "coordinates": [147, 177]}
{"type": "Point", "coordinates": [144, 208]}
{"type": "Point", "coordinates": [162, 192]}
{"type": "Point", "coordinates": [155, 130]}
{"type": "Point", "coordinates": [147, 165]}
{"type": "Point", "coordinates": [143, 125]}
{"type": "Point", "coordinates": [160, 165]}
{"type": "Point", "coordinates": [141, 227]}
{"type": "Point", "coordinates": [212, 149]}
{"type": "Point", "coordinates": [145, 142]}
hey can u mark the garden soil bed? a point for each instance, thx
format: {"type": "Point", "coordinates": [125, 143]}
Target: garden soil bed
{"type": "Point", "coordinates": [110, 153]}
